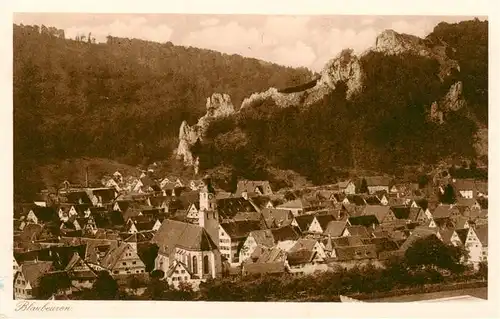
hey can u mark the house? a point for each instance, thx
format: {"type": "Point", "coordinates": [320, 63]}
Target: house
{"type": "Point", "coordinates": [192, 211]}
{"type": "Point", "coordinates": [228, 208]}
{"type": "Point", "coordinates": [356, 231]}
{"type": "Point", "coordinates": [349, 256]}
{"type": "Point", "coordinates": [276, 218]}
{"type": "Point", "coordinates": [251, 188]}
{"type": "Point", "coordinates": [80, 273]}
{"type": "Point", "coordinates": [450, 237]}
{"type": "Point", "coordinates": [123, 260]}
{"type": "Point", "coordinates": [275, 268]}
{"type": "Point", "coordinates": [357, 200]}
{"type": "Point", "coordinates": [476, 243]}
{"type": "Point", "coordinates": [320, 223]}
{"type": "Point", "coordinates": [335, 228]}
{"type": "Point", "coordinates": [299, 206]}
{"type": "Point", "coordinates": [470, 203]}
{"type": "Point", "coordinates": [312, 245]}
{"type": "Point", "coordinates": [442, 211]}
{"type": "Point", "coordinates": [364, 220]}
{"type": "Point", "coordinates": [465, 187]}
{"type": "Point", "coordinates": [67, 212]}
{"type": "Point", "coordinates": [377, 183]}
{"type": "Point", "coordinates": [303, 222]}
{"type": "Point", "coordinates": [346, 187]}
{"type": "Point", "coordinates": [41, 215]}
{"type": "Point", "coordinates": [144, 226]}
{"type": "Point", "coordinates": [305, 262]}
{"type": "Point", "coordinates": [232, 236]}
{"type": "Point", "coordinates": [383, 213]}
{"type": "Point", "coordinates": [26, 280]}
{"type": "Point", "coordinates": [268, 238]}
{"type": "Point", "coordinates": [179, 273]}
{"type": "Point", "coordinates": [261, 202]}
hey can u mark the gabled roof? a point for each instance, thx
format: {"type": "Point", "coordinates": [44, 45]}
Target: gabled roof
{"type": "Point", "coordinates": [299, 257]}
{"type": "Point", "coordinates": [366, 220]}
{"type": "Point", "coordinates": [335, 228]}
{"type": "Point", "coordinates": [443, 211]}
{"type": "Point", "coordinates": [378, 210]}
{"type": "Point", "coordinates": [229, 207]}
{"type": "Point", "coordinates": [45, 214]}
{"type": "Point", "coordinates": [273, 254]}
{"type": "Point", "coordinates": [401, 212]}
{"type": "Point", "coordinates": [280, 217]}
{"type": "Point", "coordinates": [324, 220]}
{"type": "Point", "coordinates": [372, 200]}
{"type": "Point", "coordinates": [285, 233]}
{"type": "Point", "coordinates": [240, 228]}
{"type": "Point", "coordinates": [34, 270]}
{"type": "Point", "coordinates": [444, 222]}
{"type": "Point", "coordinates": [347, 241]}
{"type": "Point", "coordinates": [357, 200]}
{"type": "Point", "coordinates": [360, 231]}
{"type": "Point", "coordinates": [173, 234]}
{"type": "Point", "coordinates": [462, 234]}
{"type": "Point", "coordinates": [260, 201]}
{"type": "Point", "coordinates": [468, 202]}
{"type": "Point", "coordinates": [264, 268]}
{"type": "Point", "coordinates": [303, 244]}
{"type": "Point", "coordinates": [113, 255]}
{"type": "Point", "coordinates": [356, 252]}
{"type": "Point", "coordinates": [382, 244]}
{"type": "Point", "coordinates": [446, 235]}
{"type": "Point", "coordinates": [263, 237]}
{"type": "Point", "coordinates": [304, 221]}
{"type": "Point", "coordinates": [482, 234]}
{"type": "Point", "coordinates": [299, 203]}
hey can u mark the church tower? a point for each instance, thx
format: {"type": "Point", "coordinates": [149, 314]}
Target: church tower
{"type": "Point", "coordinates": [208, 216]}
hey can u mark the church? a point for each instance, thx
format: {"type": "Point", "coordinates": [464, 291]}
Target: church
{"type": "Point", "coordinates": [195, 246]}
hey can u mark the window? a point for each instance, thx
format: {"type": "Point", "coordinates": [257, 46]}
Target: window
{"type": "Point", "coordinates": [176, 271]}
{"type": "Point", "coordinates": [133, 263]}
{"type": "Point", "coordinates": [124, 263]}
{"type": "Point", "coordinates": [195, 265]}
{"type": "Point", "coordinates": [205, 265]}
{"type": "Point", "coordinates": [185, 278]}
{"type": "Point", "coordinates": [183, 271]}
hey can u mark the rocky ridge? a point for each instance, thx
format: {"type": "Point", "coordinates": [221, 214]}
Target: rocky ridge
{"type": "Point", "coordinates": [345, 67]}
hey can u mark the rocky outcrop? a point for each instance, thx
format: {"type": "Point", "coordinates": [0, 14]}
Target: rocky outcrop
{"type": "Point", "coordinates": [344, 67]}
{"type": "Point", "coordinates": [218, 105]}
{"type": "Point", "coordinates": [451, 102]}
{"type": "Point", "coordinates": [391, 42]}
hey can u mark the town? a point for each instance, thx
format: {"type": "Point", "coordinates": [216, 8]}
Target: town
{"type": "Point", "coordinates": [132, 230]}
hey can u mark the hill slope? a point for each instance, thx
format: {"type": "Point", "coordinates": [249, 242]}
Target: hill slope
{"type": "Point", "coordinates": [122, 100]}
{"type": "Point", "coordinates": [407, 101]}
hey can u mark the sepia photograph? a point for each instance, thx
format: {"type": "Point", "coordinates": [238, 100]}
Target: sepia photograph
{"type": "Point", "coordinates": [249, 157]}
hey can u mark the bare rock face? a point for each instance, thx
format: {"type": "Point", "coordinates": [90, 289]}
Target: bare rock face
{"type": "Point", "coordinates": [453, 100]}
{"type": "Point", "coordinates": [344, 67]}
{"type": "Point", "coordinates": [391, 42]}
{"type": "Point", "coordinates": [218, 105]}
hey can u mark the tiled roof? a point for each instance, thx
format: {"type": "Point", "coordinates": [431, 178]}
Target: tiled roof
{"type": "Point", "coordinates": [324, 220]}
{"type": "Point", "coordinates": [264, 268]}
{"type": "Point", "coordinates": [366, 220]}
{"type": "Point", "coordinates": [280, 217]}
{"type": "Point", "coordinates": [302, 256]}
{"type": "Point", "coordinates": [173, 234]}
{"type": "Point", "coordinates": [482, 234]}
{"type": "Point", "coordinates": [240, 228]}
{"type": "Point", "coordinates": [34, 270]}
{"type": "Point", "coordinates": [378, 210]}
{"type": "Point", "coordinates": [356, 252]}
{"type": "Point", "coordinates": [335, 228]}
{"type": "Point", "coordinates": [229, 207]}
{"type": "Point", "coordinates": [360, 231]}
{"type": "Point", "coordinates": [304, 221]}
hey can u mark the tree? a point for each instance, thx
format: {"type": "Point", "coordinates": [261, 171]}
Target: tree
{"type": "Point", "coordinates": [51, 283]}
{"type": "Point", "coordinates": [431, 252]}
{"type": "Point", "coordinates": [148, 253]}
{"type": "Point", "coordinates": [448, 196]}
{"type": "Point", "coordinates": [363, 189]}
{"type": "Point", "coordinates": [134, 283]}
{"type": "Point", "coordinates": [156, 289]}
{"type": "Point", "coordinates": [483, 270]}
{"type": "Point", "coordinates": [105, 287]}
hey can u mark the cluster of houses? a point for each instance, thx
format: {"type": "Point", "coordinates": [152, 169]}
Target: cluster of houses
{"type": "Point", "coordinates": [193, 232]}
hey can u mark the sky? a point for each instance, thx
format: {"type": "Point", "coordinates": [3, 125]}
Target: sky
{"type": "Point", "coordinates": [307, 41]}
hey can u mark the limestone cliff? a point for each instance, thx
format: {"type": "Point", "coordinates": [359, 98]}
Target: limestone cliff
{"type": "Point", "coordinates": [344, 67]}
{"type": "Point", "coordinates": [218, 105]}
